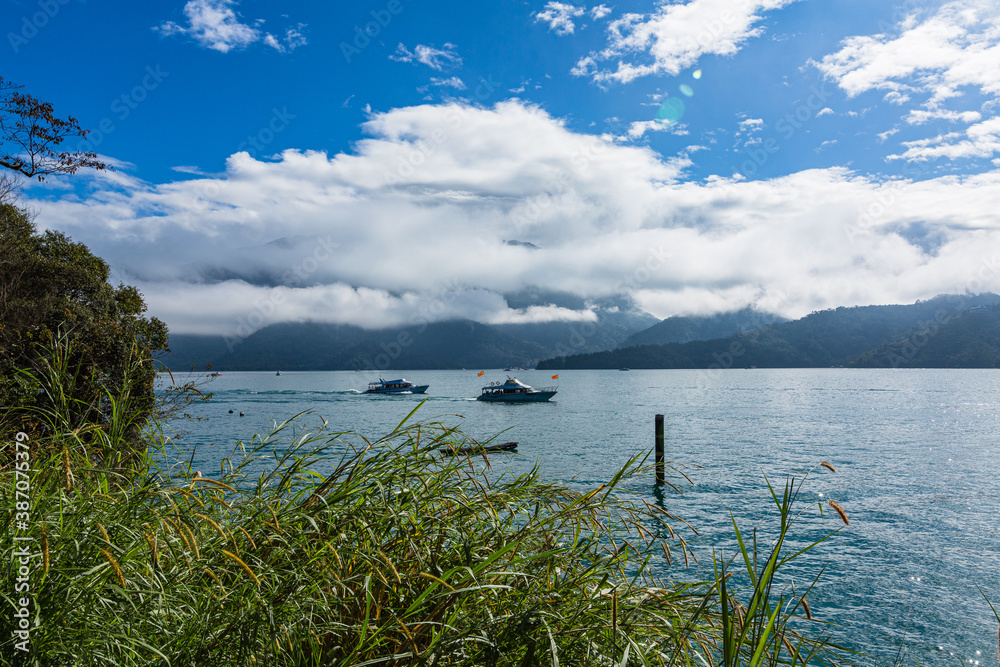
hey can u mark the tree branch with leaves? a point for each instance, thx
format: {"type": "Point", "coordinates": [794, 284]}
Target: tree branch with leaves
{"type": "Point", "coordinates": [31, 134]}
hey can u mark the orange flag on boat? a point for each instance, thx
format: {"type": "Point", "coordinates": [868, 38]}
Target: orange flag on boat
{"type": "Point", "coordinates": [481, 373]}
{"type": "Point", "coordinates": [555, 377]}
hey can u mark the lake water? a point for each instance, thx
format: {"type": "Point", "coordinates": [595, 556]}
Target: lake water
{"type": "Point", "coordinates": [917, 454]}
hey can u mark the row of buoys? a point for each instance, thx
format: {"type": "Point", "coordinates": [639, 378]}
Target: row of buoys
{"type": "Point", "coordinates": [241, 414]}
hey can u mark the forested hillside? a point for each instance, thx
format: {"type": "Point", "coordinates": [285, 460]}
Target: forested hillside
{"type": "Point", "coordinates": [943, 332]}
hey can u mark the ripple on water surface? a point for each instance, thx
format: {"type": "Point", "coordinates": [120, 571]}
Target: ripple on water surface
{"type": "Point", "coordinates": [916, 454]}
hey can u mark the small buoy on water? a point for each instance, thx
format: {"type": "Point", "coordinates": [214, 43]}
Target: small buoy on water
{"type": "Point", "coordinates": [230, 412]}
{"type": "Point", "coordinates": [241, 414]}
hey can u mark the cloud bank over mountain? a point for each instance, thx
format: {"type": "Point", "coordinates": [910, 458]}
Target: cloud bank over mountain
{"type": "Point", "coordinates": [415, 221]}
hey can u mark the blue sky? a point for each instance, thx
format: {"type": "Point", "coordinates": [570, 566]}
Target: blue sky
{"type": "Point", "coordinates": [369, 162]}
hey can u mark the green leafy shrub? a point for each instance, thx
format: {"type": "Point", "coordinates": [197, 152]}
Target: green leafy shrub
{"type": "Point", "coordinates": [312, 548]}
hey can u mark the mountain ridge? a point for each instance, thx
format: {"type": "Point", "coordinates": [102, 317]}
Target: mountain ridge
{"type": "Point", "coordinates": [961, 331]}
{"type": "Point", "coordinates": [450, 344]}
{"type": "Point", "coordinates": [859, 336]}
{"type": "Point", "coordinates": [686, 328]}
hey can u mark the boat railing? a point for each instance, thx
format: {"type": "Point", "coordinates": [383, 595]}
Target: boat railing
{"type": "Point", "coordinates": [506, 389]}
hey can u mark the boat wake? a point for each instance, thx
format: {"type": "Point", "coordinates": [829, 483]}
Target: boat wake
{"type": "Point", "coordinates": [289, 392]}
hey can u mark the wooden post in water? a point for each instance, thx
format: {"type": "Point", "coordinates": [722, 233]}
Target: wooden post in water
{"type": "Point", "coordinates": [660, 474]}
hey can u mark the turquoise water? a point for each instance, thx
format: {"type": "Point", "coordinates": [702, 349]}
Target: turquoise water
{"type": "Point", "coordinates": [917, 454]}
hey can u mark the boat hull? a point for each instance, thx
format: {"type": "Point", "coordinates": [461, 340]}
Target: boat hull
{"type": "Point", "coordinates": [417, 389]}
{"type": "Point", "coordinates": [534, 397]}
{"type": "Point", "coordinates": [483, 449]}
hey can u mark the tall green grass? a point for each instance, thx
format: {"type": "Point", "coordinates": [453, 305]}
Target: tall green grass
{"type": "Point", "coordinates": [70, 409]}
{"type": "Point", "coordinates": [762, 629]}
{"type": "Point", "coordinates": [316, 548]}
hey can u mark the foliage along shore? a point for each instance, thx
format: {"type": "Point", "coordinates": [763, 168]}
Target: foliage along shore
{"type": "Point", "coordinates": [317, 548]}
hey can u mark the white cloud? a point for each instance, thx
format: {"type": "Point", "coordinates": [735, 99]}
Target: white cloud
{"type": "Point", "coordinates": [215, 25]}
{"type": "Point", "coordinates": [415, 220]}
{"type": "Point", "coordinates": [437, 59]}
{"type": "Point", "coordinates": [675, 36]}
{"type": "Point", "coordinates": [585, 66]}
{"type": "Point", "coordinates": [921, 116]}
{"type": "Point", "coordinates": [882, 136]}
{"type": "Point", "coordinates": [599, 12]}
{"type": "Point", "coordinates": [825, 111]}
{"type": "Point", "coordinates": [227, 306]}
{"type": "Point", "coordinates": [640, 127]}
{"type": "Point", "coordinates": [294, 37]}
{"type": "Point", "coordinates": [748, 131]}
{"type": "Point", "coordinates": [981, 140]}
{"type": "Point", "coordinates": [292, 40]}
{"type": "Point", "coordinates": [273, 42]}
{"type": "Point", "coordinates": [537, 314]}
{"type": "Point", "coordinates": [559, 16]}
{"type": "Point", "coordinates": [938, 56]}
{"type": "Point", "coordinates": [896, 97]}
{"type": "Point", "coordinates": [402, 54]}
{"type": "Point", "coordinates": [450, 82]}
{"type": "Point", "coordinates": [189, 169]}
{"type": "Point", "coordinates": [958, 46]}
